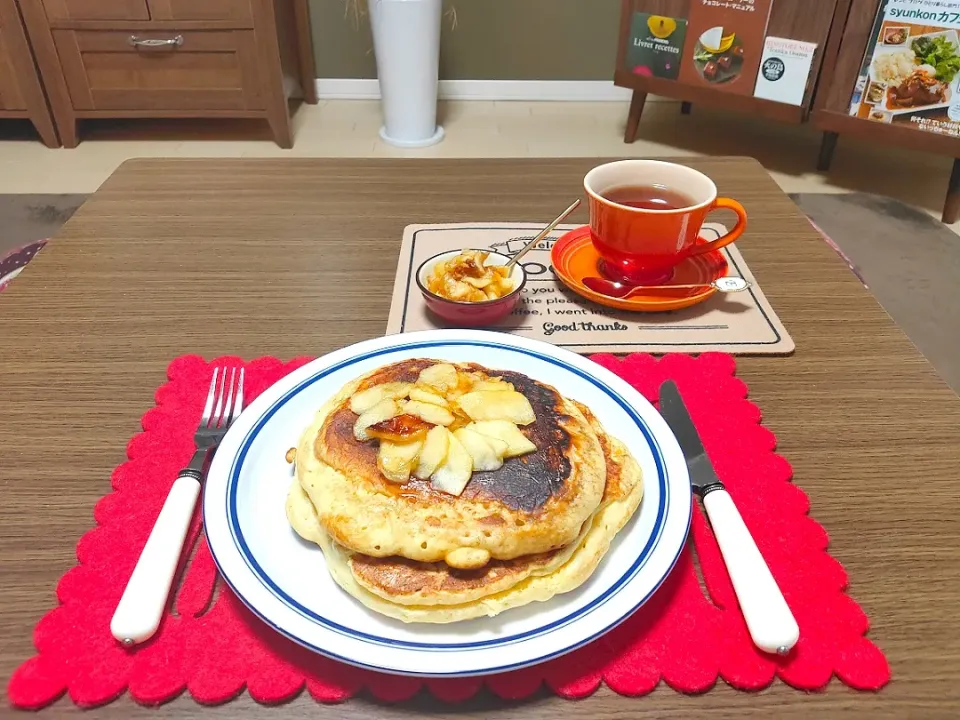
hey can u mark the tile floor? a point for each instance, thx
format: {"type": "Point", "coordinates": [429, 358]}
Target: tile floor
{"type": "Point", "coordinates": [489, 129]}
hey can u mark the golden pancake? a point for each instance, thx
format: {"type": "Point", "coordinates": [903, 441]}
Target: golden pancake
{"type": "Point", "coordinates": [532, 504]}
{"type": "Point", "coordinates": [432, 592]}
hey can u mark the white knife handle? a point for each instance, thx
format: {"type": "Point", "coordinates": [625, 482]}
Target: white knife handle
{"type": "Point", "coordinates": [145, 598]}
{"type": "Point", "coordinates": [771, 624]}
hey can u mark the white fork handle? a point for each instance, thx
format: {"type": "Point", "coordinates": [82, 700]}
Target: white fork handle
{"type": "Point", "coordinates": [771, 624]}
{"type": "Point", "coordinates": [145, 598]}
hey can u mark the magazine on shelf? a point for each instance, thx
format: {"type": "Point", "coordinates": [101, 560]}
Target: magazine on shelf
{"type": "Point", "coordinates": [785, 70]}
{"type": "Point", "coordinates": [724, 44]}
{"type": "Point", "coordinates": [910, 75]}
{"type": "Point", "coordinates": [656, 42]}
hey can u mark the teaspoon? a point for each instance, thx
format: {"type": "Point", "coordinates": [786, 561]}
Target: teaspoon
{"type": "Point", "coordinates": [543, 233]}
{"type": "Point", "coordinates": [622, 291]}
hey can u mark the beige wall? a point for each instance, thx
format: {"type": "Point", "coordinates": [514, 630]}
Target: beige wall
{"type": "Point", "coordinates": [494, 40]}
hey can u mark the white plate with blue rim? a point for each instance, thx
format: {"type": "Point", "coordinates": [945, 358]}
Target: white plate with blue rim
{"type": "Point", "coordinates": [284, 582]}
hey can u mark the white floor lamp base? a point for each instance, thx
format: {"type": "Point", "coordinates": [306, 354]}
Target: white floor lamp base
{"type": "Point", "coordinates": [437, 137]}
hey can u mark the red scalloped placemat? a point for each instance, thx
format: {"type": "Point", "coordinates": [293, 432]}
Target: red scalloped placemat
{"type": "Point", "coordinates": [211, 646]}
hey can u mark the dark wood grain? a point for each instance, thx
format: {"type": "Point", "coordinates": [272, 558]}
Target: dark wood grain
{"type": "Point", "coordinates": [294, 257]}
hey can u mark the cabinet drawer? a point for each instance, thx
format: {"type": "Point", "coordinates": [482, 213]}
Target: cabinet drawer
{"type": "Point", "coordinates": [10, 96]}
{"type": "Point", "coordinates": [62, 10]}
{"type": "Point", "coordinates": [239, 11]}
{"type": "Point", "coordinates": [203, 70]}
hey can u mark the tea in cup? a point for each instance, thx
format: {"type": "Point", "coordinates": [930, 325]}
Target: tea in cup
{"type": "Point", "coordinates": [646, 216]}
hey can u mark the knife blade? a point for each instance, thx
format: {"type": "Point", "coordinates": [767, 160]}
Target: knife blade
{"type": "Point", "coordinates": [702, 475]}
{"type": "Point", "coordinates": [772, 625]}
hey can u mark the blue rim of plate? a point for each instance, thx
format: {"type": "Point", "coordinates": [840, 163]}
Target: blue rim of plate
{"type": "Point", "coordinates": [252, 564]}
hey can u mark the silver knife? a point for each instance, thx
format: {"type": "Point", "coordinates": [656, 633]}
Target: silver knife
{"type": "Point", "coordinates": [769, 620]}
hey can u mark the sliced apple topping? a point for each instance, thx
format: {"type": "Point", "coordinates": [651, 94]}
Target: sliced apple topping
{"type": "Point", "coordinates": [363, 401]}
{"type": "Point", "coordinates": [442, 377]}
{"type": "Point", "coordinates": [383, 410]}
{"type": "Point", "coordinates": [446, 426]}
{"type": "Point", "coordinates": [433, 414]}
{"type": "Point", "coordinates": [505, 431]}
{"type": "Point", "coordinates": [457, 468]}
{"type": "Point", "coordinates": [495, 384]}
{"type": "Point", "coordinates": [500, 447]}
{"type": "Point", "coordinates": [498, 405]}
{"type": "Point", "coordinates": [400, 429]}
{"type": "Point", "coordinates": [428, 396]}
{"type": "Point", "coordinates": [434, 452]}
{"type": "Point", "coordinates": [397, 460]}
{"type": "Point", "coordinates": [484, 457]}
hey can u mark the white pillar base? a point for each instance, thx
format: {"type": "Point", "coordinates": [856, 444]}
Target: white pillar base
{"type": "Point", "coordinates": [426, 142]}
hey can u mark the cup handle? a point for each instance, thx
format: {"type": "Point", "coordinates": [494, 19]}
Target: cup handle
{"type": "Point", "coordinates": [722, 202]}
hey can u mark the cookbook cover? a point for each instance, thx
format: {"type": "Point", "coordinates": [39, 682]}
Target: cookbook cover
{"type": "Point", "coordinates": [724, 44]}
{"type": "Point", "coordinates": [656, 42]}
{"type": "Point", "coordinates": [784, 70]}
{"type": "Point", "coordinates": [910, 74]}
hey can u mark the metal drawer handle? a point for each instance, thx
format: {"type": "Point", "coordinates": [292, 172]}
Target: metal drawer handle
{"type": "Point", "coordinates": [155, 42]}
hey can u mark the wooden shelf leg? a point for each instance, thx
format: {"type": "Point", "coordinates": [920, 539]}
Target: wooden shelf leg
{"type": "Point", "coordinates": [280, 126]}
{"type": "Point", "coordinates": [633, 119]}
{"type": "Point", "coordinates": [69, 134]}
{"type": "Point", "coordinates": [685, 108]}
{"type": "Point", "coordinates": [951, 208]}
{"type": "Point", "coordinates": [305, 57]}
{"type": "Point", "coordinates": [827, 147]}
{"type": "Point", "coordinates": [48, 135]}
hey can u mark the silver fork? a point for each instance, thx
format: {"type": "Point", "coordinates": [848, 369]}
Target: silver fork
{"type": "Point", "coordinates": [145, 598]}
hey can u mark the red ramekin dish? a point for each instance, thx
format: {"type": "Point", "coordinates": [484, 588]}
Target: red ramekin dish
{"type": "Point", "coordinates": [471, 314]}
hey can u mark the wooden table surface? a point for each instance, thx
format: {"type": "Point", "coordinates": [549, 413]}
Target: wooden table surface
{"type": "Point", "coordinates": [294, 257]}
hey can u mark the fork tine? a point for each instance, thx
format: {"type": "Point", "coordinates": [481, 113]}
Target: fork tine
{"type": "Point", "coordinates": [209, 406]}
{"type": "Point", "coordinates": [228, 405]}
{"type": "Point", "coordinates": [238, 401]}
{"type": "Point", "coordinates": [218, 410]}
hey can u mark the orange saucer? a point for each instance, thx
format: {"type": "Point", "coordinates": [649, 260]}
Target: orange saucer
{"type": "Point", "coordinates": [574, 258]}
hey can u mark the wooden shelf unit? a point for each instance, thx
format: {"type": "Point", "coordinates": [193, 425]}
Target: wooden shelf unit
{"type": "Point", "coordinates": [831, 110]}
{"type": "Point", "coordinates": [807, 20]}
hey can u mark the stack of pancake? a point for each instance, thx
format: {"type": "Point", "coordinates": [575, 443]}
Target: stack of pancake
{"type": "Point", "coordinates": [536, 526]}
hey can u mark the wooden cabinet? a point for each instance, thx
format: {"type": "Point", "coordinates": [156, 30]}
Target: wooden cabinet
{"type": "Point", "coordinates": [238, 11]}
{"type": "Point", "coordinates": [11, 98]}
{"type": "Point", "coordinates": [172, 58]}
{"type": "Point", "coordinates": [108, 70]}
{"type": "Point", "coordinates": [21, 94]}
{"type": "Point", "coordinates": [65, 10]}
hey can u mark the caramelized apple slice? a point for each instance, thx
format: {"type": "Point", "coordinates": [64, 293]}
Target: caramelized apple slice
{"type": "Point", "coordinates": [496, 405]}
{"type": "Point", "coordinates": [500, 447]}
{"type": "Point", "coordinates": [493, 384]}
{"type": "Point", "coordinates": [400, 429]}
{"type": "Point", "coordinates": [434, 452]}
{"type": "Point", "coordinates": [482, 452]}
{"type": "Point", "coordinates": [425, 396]}
{"type": "Point", "coordinates": [505, 431]}
{"type": "Point", "coordinates": [363, 401]}
{"type": "Point", "coordinates": [441, 376]}
{"type": "Point", "coordinates": [433, 414]}
{"type": "Point", "coordinates": [452, 477]}
{"type": "Point", "coordinates": [479, 283]}
{"type": "Point", "coordinates": [383, 410]}
{"type": "Point", "coordinates": [397, 460]}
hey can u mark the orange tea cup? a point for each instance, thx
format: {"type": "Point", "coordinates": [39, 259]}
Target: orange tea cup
{"type": "Point", "coordinates": [646, 215]}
